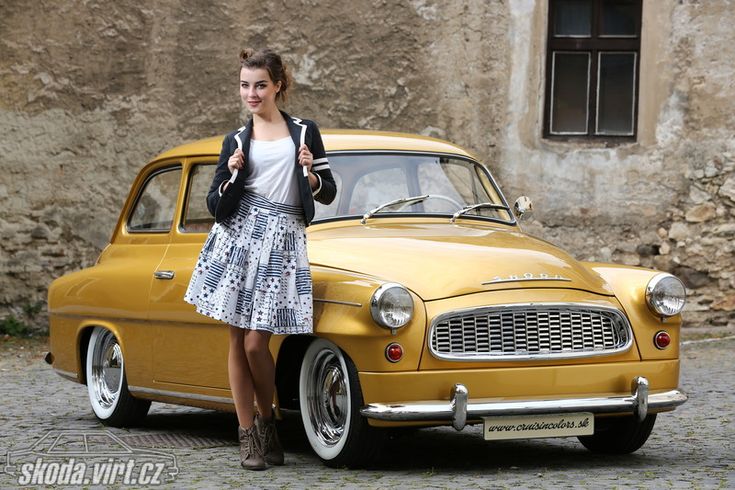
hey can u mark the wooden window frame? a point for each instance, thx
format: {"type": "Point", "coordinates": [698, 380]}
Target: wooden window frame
{"type": "Point", "coordinates": [594, 45]}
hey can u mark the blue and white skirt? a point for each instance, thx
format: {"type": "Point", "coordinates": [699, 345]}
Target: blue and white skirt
{"type": "Point", "coordinates": [253, 271]}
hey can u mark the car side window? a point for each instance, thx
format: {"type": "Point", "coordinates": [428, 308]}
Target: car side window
{"type": "Point", "coordinates": [156, 203]}
{"type": "Point", "coordinates": [322, 211]}
{"type": "Point", "coordinates": [378, 187]}
{"type": "Point", "coordinates": [197, 218]}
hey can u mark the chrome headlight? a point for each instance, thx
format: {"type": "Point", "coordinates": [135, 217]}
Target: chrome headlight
{"type": "Point", "coordinates": [665, 295]}
{"type": "Point", "coordinates": [391, 306]}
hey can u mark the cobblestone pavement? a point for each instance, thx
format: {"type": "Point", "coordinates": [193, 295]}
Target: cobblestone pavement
{"type": "Point", "coordinates": [689, 448]}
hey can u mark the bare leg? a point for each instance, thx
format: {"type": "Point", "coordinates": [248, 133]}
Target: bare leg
{"type": "Point", "coordinates": [241, 380]}
{"type": "Point", "coordinates": [262, 368]}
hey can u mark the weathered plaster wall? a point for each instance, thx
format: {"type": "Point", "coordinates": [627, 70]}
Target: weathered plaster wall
{"type": "Point", "coordinates": [665, 201]}
{"type": "Point", "coordinates": [90, 91]}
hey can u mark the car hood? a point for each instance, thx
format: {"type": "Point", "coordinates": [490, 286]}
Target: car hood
{"type": "Point", "coordinates": [444, 260]}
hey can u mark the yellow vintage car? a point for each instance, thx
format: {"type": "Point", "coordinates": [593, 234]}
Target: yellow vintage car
{"type": "Point", "coordinates": [431, 307]}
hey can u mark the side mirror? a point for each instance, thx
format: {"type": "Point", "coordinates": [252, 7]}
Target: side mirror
{"type": "Point", "coordinates": [523, 207]}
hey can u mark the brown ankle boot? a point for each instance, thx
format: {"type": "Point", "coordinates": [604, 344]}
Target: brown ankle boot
{"type": "Point", "coordinates": [272, 449]}
{"type": "Point", "coordinates": [251, 450]}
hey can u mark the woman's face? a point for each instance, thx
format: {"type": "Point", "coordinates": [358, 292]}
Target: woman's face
{"type": "Point", "coordinates": [257, 90]}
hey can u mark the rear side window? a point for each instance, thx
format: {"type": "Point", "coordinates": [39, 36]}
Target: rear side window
{"type": "Point", "coordinates": [197, 218]}
{"type": "Point", "coordinates": [156, 203]}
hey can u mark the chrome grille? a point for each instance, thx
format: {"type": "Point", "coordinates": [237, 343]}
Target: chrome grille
{"type": "Point", "coordinates": [529, 331]}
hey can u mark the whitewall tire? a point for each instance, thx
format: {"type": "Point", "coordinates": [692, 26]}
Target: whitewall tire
{"type": "Point", "coordinates": [330, 399]}
{"type": "Point", "coordinates": [107, 385]}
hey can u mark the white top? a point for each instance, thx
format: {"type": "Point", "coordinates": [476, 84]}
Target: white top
{"type": "Point", "coordinates": [270, 171]}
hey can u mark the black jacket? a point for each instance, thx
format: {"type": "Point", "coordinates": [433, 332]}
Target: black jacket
{"type": "Point", "coordinates": [302, 131]}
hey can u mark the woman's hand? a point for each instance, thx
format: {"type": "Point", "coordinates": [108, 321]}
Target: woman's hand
{"type": "Point", "coordinates": [236, 161]}
{"type": "Point", "coordinates": [306, 159]}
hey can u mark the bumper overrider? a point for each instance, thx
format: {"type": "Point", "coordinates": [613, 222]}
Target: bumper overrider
{"type": "Point", "coordinates": [459, 409]}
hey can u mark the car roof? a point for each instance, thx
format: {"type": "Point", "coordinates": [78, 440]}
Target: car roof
{"type": "Point", "coordinates": [338, 140]}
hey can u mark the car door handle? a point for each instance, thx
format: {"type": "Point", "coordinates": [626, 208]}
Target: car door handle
{"type": "Point", "coordinates": [167, 275]}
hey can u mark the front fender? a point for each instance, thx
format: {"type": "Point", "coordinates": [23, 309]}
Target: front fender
{"type": "Point", "coordinates": [629, 285]}
{"type": "Point", "coordinates": [342, 315]}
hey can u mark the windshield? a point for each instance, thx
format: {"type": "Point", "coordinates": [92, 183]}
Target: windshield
{"type": "Point", "coordinates": [366, 181]}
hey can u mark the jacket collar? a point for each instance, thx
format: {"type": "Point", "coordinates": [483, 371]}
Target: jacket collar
{"type": "Point", "coordinates": [296, 128]}
{"type": "Point", "coordinates": [243, 136]}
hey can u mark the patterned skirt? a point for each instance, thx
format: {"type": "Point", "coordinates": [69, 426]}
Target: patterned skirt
{"type": "Point", "coordinates": [253, 271]}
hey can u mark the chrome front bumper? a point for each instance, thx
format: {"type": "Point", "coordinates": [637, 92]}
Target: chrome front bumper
{"type": "Point", "coordinates": [459, 409]}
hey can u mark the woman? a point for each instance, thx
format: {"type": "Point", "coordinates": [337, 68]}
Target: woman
{"type": "Point", "coordinates": [253, 272]}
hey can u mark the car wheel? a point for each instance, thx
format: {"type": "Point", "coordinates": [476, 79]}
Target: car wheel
{"type": "Point", "coordinates": [330, 399]}
{"type": "Point", "coordinates": [619, 435]}
{"type": "Point", "coordinates": [107, 384]}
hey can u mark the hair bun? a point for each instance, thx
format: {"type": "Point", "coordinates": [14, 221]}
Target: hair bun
{"type": "Point", "coordinates": [246, 53]}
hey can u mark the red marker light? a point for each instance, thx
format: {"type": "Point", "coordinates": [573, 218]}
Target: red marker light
{"type": "Point", "coordinates": [662, 339]}
{"type": "Point", "coordinates": [394, 352]}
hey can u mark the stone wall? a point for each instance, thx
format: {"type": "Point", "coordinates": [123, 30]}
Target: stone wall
{"type": "Point", "coordinates": [89, 92]}
{"type": "Point", "coordinates": [665, 201]}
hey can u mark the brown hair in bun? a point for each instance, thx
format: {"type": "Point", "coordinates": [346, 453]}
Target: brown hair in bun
{"type": "Point", "coordinates": [271, 61]}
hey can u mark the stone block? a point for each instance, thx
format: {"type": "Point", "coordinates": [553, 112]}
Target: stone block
{"type": "Point", "coordinates": [698, 196]}
{"type": "Point", "coordinates": [692, 278]}
{"type": "Point", "coordinates": [678, 231]}
{"type": "Point", "coordinates": [726, 303]}
{"type": "Point", "coordinates": [726, 229]}
{"type": "Point", "coordinates": [647, 250]}
{"type": "Point", "coordinates": [40, 233]}
{"type": "Point", "coordinates": [727, 189]}
{"type": "Point", "coordinates": [700, 213]}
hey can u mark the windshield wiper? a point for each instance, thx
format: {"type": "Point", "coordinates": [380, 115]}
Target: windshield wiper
{"type": "Point", "coordinates": [403, 200]}
{"type": "Point", "coordinates": [466, 209]}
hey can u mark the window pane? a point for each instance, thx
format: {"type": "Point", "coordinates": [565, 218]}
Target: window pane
{"type": "Point", "coordinates": [378, 188]}
{"type": "Point", "coordinates": [322, 211]}
{"type": "Point", "coordinates": [453, 180]}
{"type": "Point", "coordinates": [572, 18]}
{"type": "Point", "coordinates": [615, 93]}
{"type": "Point", "coordinates": [197, 218]}
{"type": "Point", "coordinates": [618, 17]}
{"type": "Point", "coordinates": [154, 210]}
{"type": "Point", "coordinates": [570, 87]}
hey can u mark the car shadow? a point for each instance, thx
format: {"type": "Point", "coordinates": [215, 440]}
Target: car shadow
{"type": "Point", "coordinates": [425, 449]}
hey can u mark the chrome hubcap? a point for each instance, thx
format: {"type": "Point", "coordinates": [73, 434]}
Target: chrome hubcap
{"type": "Point", "coordinates": [107, 366]}
{"type": "Point", "coordinates": [328, 398]}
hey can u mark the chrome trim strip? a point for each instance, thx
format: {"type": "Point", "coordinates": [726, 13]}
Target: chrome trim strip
{"type": "Point", "coordinates": [336, 302]}
{"type": "Point", "coordinates": [526, 279]}
{"type": "Point", "coordinates": [532, 357]}
{"type": "Point", "coordinates": [117, 319]}
{"type": "Point", "coordinates": [67, 374]}
{"type": "Point", "coordinates": [179, 394]}
{"type": "Point", "coordinates": [458, 408]}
